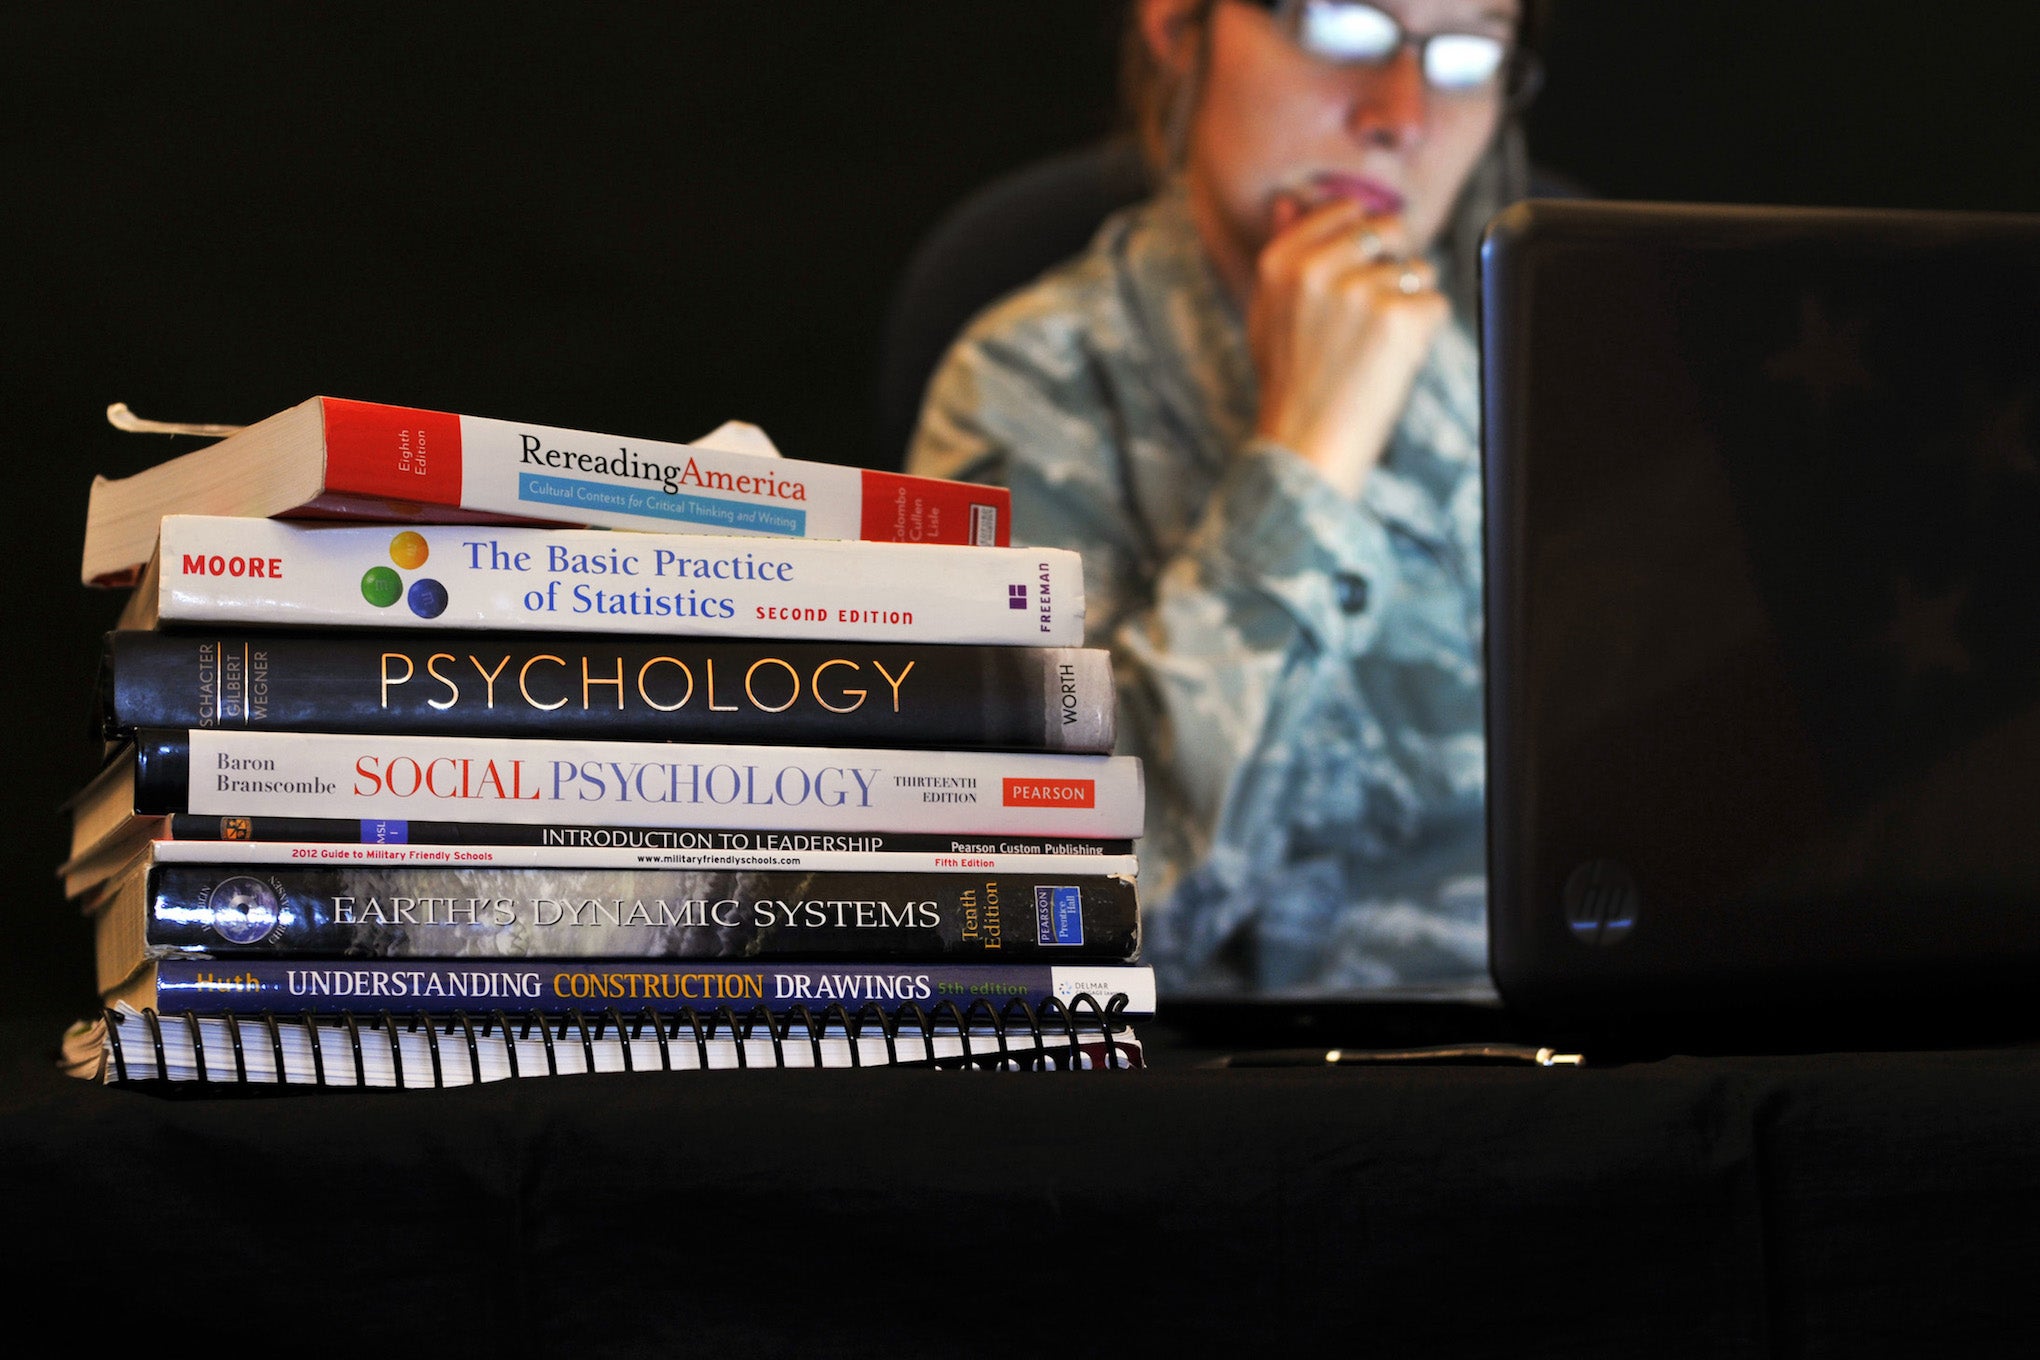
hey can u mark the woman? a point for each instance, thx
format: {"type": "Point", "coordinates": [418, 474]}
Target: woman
{"type": "Point", "coordinates": [1250, 407]}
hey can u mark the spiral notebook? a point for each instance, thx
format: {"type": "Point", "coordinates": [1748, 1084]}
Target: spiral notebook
{"type": "Point", "coordinates": [270, 1053]}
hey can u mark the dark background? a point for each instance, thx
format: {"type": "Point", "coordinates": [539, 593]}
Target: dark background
{"type": "Point", "coordinates": [648, 219]}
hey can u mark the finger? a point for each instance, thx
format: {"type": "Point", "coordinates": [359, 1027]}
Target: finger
{"type": "Point", "coordinates": [1319, 255]}
{"type": "Point", "coordinates": [1402, 278]}
{"type": "Point", "coordinates": [1404, 300]}
{"type": "Point", "coordinates": [1309, 228]}
{"type": "Point", "coordinates": [1389, 234]}
{"type": "Point", "coordinates": [1388, 291]}
{"type": "Point", "coordinates": [1381, 235]}
{"type": "Point", "coordinates": [1338, 240]}
{"type": "Point", "coordinates": [1297, 208]}
{"type": "Point", "coordinates": [1300, 200]}
{"type": "Point", "coordinates": [1288, 210]}
{"type": "Point", "coordinates": [1369, 285]}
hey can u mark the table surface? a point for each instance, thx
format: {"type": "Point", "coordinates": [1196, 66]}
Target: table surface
{"type": "Point", "coordinates": [1821, 1203]}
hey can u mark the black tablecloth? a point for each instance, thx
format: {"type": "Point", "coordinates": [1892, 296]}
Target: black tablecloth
{"type": "Point", "coordinates": [1812, 1204]}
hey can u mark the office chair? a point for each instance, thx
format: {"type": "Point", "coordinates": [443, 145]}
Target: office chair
{"type": "Point", "coordinates": [997, 238]}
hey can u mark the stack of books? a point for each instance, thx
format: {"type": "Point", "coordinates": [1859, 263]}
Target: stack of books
{"type": "Point", "coordinates": [409, 781]}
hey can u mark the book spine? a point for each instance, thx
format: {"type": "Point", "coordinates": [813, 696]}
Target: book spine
{"type": "Point", "coordinates": [544, 472]}
{"type": "Point", "coordinates": [605, 857]}
{"type": "Point", "coordinates": [253, 572]}
{"type": "Point", "coordinates": [461, 911]}
{"type": "Point", "coordinates": [254, 986]}
{"type": "Point", "coordinates": [679, 689]}
{"type": "Point", "coordinates": [191, 826]}
{"type": "Point", "coordinates": [530, 781]}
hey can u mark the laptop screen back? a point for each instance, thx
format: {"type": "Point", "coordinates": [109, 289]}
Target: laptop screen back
{"type": "Point", "coordinates": [1763, 556]}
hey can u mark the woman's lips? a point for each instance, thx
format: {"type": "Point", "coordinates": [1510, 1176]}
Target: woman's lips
{"type": "Point", "coordinates": [1375, 198]}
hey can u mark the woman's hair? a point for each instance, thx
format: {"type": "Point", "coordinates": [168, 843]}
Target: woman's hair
{"type": "Point", "coordinates": [1154, 101]}
{"type": "Point", "coordinates": [1156, 104]}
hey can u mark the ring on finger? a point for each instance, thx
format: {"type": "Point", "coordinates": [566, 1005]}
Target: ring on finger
{"type": "Point", "coordinates": [1409, 283]}
{"type": "Point", "coordinates": [1371, 245]}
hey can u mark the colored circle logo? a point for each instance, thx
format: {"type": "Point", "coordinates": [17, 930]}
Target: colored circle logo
{"type": "Point", "coordinates": [409, 550]}
{"type": "Point", "coordinates": [428, 598]}
{"type": "Point", "coordinates": [381, 587]}
{"type": "Point", "coordinates": [244, 910]}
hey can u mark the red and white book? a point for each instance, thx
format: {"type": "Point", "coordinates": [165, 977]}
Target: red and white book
{"type": "Point", "coordinates": [329, 458]}
{"type": "Point", "coordinates": [220, 569]}
{"type": "Point", "coordinates": [625, 783]}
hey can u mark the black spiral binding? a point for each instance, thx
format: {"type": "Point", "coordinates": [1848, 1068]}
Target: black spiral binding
{"type": "Point", "coordinates": [1081, 1022]}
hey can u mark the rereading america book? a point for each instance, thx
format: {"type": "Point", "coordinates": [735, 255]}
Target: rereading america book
{"type": "Point", "coordinates": [214, 569]}
{"type": "Point", "coordinates": [126, 1047]}
{"type": "Point", "coordinates": [333, 458]}
{"type": "Point", "coordinates": [379, 911]}
{"type": "Point", "coordinates": [534, 781]}
{"type": "Point", "coordinates": [258, 986]}
{"type": "Point", "coordinates": [623, 687]}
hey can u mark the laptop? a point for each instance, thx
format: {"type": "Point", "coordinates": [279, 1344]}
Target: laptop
{"type": "Point", "coordinates": [1763, 573]}
{"type": "Point", "coordinates": [1763, 633]}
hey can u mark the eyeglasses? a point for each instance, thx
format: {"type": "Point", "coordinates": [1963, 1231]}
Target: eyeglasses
{"type": "Point", "coordinates": [1355, 34]}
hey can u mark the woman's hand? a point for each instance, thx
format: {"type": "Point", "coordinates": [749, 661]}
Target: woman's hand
{"type": "Point", "coordinates": [1336, 339]}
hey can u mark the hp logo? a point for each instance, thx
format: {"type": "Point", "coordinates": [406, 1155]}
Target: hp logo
{"type": "Point", "coordinates": [1600, 902]}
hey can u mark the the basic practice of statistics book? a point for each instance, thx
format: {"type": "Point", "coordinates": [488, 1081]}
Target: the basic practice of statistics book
{"type": "Point", "coordinates": [333, 458]}
{"type": "Point", "coordinates": [599, 685]}
{"type": "Point", "coordinates": [123, 1046]}
{"type": "Point", "coordinates": [254, 986]}
{"type": "Point", "coordinates": [529, 780]}
{"type": "Point", "coordinates": [212, 569]}
{"type": "Point", "coordinates": [456, 911]}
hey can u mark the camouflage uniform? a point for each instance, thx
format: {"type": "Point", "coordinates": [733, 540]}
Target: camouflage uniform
{"type": "Point", "coordinates": [1300, 672]}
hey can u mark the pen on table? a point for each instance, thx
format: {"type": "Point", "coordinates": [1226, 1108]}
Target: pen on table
{"type": "Point", "coordinates": [1440, 1055]}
